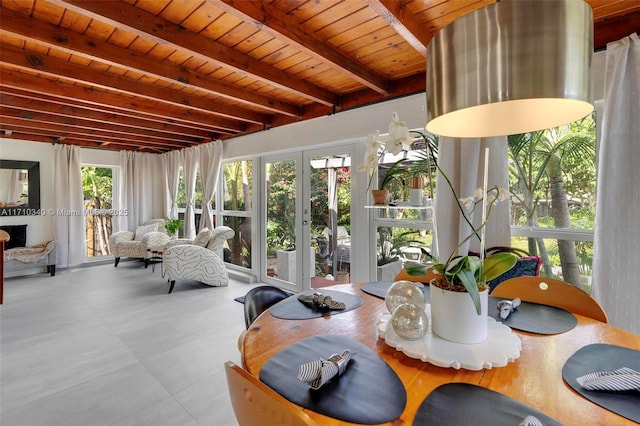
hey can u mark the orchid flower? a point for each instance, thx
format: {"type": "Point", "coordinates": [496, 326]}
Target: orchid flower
{"type": "Point", "coordinates": [398, 135]}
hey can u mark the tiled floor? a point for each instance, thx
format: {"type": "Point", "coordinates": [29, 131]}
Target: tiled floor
{"type": "Point", "coordinates": [108, 346]}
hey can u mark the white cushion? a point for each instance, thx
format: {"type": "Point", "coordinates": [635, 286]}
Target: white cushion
{"type": "Point", "coordinates": [203, 237]}
{"type": "Point", "coordinates": [143, 230]}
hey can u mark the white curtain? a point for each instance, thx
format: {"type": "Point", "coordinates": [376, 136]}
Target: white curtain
{"type": "Point", "coordinates": [172, 161]}
{"type": "Point", "coordinates": [210, 164]}
{"type": "Point", "coordinates": [142, 188]}
{"type": "Point", "coordinates": [463, 162]}
{"type": "Point", "coordinates": [68, 200]}
{"type": "Point", "coordinates": [617, 233]}
{"type": "Point", "coordinates": [191, 158]}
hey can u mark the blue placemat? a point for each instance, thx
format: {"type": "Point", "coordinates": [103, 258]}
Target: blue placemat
{"type": "Point", "coordinates": [369, 391]}
{"type": "Point", "coordinates": [602, 357]}
{"type": "Point", "coordinates": [293, 309]}
{"type": "Point", "coordinates": [455, 404]}
{"type": "Point", "coordinates": [534, 318]}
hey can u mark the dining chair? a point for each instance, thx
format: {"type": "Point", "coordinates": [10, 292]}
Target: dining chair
{"type": "Point", "coordinates": [259, 299]}
{"type": "Point", "coordinates": [254, 403]}
{"type": "Point", "coordinates": [551, 292]}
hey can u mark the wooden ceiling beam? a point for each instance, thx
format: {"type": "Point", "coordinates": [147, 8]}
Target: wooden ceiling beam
{"type": "Point", "coordinates": [112, 102]}
{"type": "Point", "coordinates": [49, 105]}
{"type": "Point", "coordinates": [79, 122]}
{"type": "Point", "coordinates": [37, 136]}
{"type": "Point", "coordinates": [57, 68]}
{"type": "Point", "coordinates": [148, 26]}
{"type": "Point", "coordinates": [66, 131]}
{"type": "Point", "coordinates": [283, 27]}
{"type": "Point", "coordinates": [52, 36]}
{"type": "Point", "coordinates": [396, 14]}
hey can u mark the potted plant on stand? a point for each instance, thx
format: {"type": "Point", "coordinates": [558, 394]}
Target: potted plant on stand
{"type": "Point", "coordinates": [172, 226]}
{"type": "Point", "coordinates": [390, 252]}
{"type": "Point", "coordinates": [373, 155]}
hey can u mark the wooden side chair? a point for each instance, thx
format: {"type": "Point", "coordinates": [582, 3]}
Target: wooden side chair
{"type": "Point", "coordinates": [254, 403]}
{"type": "Point", "coordinates": [552, 292]}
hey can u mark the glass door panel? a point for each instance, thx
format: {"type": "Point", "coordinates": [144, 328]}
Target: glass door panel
{"type": "Point", "coordinates": [282, 263]}
{"type": "Point", "coordinates": [330, 215]}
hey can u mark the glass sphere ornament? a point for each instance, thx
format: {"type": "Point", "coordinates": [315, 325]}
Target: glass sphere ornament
{"type": "Point", "coordinates": [410, 321]}
{"type": "Point", "coordinates": [404, 292]}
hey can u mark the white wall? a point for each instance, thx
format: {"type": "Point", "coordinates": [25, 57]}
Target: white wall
{"type": "Point", "coordinates": [41, 228]}
{"type": "Point", "coordinates": [344, 127]}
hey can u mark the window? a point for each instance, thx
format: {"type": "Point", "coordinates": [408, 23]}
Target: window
{"type": "Point", "coordinates": [97, 186]}
{"type": "Point", "coordinates": [237, 191]}
{"type": "Point", "coordinates": [181, 199]}
{"type": "Point", "coordinates": [552, 178]}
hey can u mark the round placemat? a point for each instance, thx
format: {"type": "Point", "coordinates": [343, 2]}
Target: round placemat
{"type": "Point", "coordinates": [368, 392]}
{"type": "Point", "coordinates": [293, 309]}
{"type": "Point", "coordinates": [534, 318]}
{"type": "Point", "coordinates": [473, 405]}
{"type": "Point", "coordinates": [603, 357]}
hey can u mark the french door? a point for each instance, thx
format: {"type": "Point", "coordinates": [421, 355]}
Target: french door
{"type": "Point", "coordinates": [306, 218]}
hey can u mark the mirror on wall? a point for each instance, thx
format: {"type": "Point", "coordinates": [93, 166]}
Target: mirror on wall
{"type": "Point", "coordinates": [19, 187]}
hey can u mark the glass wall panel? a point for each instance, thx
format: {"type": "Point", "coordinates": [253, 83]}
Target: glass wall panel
{"type": "Point", "coordinates": [239, 247]}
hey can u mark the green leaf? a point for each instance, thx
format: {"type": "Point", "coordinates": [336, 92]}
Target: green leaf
{"type": "Point", "coordinates": [497, 264]}
{"type": "Point", "coordinates": [468, 280]}
{"type": "Point", "coordinates": [416, 269]}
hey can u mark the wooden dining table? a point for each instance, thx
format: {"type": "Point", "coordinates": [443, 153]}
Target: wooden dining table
{"type": "Point", "coordinates": [535, 378]}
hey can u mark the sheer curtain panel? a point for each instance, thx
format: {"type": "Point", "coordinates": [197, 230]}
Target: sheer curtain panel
{"type": "Point", "coordinates": [141, 189]}
{"type": "Point", "coordinates": [617, 233]}
{"type": "Point", "coordinates": [191, 158]}
{"type": "Point", "coordinates": [172, 161]}
{"type": "Point", "coordinates": [210, 164]}
{"type": "Point", "coordinates": [463, 162]}
{"type": "Point", "coordinates": [69, 205]}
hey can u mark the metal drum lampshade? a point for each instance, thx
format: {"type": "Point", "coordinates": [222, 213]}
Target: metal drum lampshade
{"type": "Point", "coordinates": [511, 67]}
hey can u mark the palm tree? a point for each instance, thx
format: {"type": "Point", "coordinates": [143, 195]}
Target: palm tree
{"type": "Point", "coordinates": [542, 154]}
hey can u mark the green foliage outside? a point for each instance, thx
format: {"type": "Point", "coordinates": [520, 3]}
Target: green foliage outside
{"type": "Point", "coordinates": [97, 188]}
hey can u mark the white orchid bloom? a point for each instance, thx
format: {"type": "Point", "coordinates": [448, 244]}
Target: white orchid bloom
{"type": "Point", "coordinates": [503, 194]}
{"type": "Point", "coordinates": [478, 194]}
{"type": "Point", "coordinates": [467, 202]}
{"type": "Point", "coordinates": [371, 142]}
{"type": "Point", "coordinates": [398, 135]}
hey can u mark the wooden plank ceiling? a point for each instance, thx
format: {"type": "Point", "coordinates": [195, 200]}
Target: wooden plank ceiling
{"type": "Point", "coordinates": [158, 75]}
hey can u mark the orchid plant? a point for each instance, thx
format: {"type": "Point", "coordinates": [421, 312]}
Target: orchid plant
{"type": "Point", "coordinates": [469, 272]}
{"type": "Point", "coordinates": [375, 150]}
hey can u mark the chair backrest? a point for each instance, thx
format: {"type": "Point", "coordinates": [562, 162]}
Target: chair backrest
{"type": "Point", "coordinates": [551, 292]}
{"type": "Point", "coordinates": [254, 403]}
{"type": "Point", "coordinates": [159, 222]}
{"type": "Point", "coordinates": [219, 235]}
{"type": "Point", "coordinates": [403, 275]}
{"type": "Point", "coordinates": [259, 299]}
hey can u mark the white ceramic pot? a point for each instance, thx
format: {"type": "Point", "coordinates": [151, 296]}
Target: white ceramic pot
{"type": "Point", "coordinates": [416, 196]}
{"type": "Point", "coordinates": [454, 317]}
